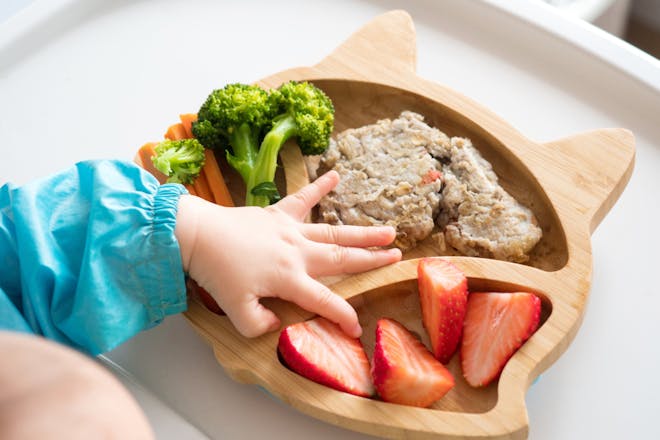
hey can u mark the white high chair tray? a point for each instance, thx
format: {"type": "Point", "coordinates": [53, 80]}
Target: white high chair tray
{"type": "Point", "coordinates": [91, 79]}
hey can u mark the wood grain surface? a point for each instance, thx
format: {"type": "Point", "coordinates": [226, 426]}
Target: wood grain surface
{"type": "Point", "coordinates": [570, 184]}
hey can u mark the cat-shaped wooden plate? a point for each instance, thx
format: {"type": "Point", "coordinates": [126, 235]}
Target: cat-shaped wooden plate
{"type": "Point", "coordinates": [570, 185]}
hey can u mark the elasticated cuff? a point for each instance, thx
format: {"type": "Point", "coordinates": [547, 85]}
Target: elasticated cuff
{"type": "Point", "coordinates": [165, 278]}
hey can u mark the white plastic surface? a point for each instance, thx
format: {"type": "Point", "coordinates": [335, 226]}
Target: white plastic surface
{"type": "Point", "coordinates": [165, 422]}
{"type": "Point", "coordinates": [88, 79]}
{"type": "Point", "coordinates": [610, 15]}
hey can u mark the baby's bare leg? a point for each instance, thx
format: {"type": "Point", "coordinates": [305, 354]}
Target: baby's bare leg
{"type": "Point", "coordinates": [50, 391]}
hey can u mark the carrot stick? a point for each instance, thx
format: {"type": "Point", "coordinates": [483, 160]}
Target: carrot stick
{"type": "Point", "coordinates": [191, 190]}
{"type": "Point", "coordinates": [137, 160]}
{"type": "Point", "coordinates": [176, 132]}
{"type": "Point", "coordinates": [217, 188]}
{"type": "Point", "coordinates": [187, 120]}
{"type": "Point", "coordinates": [209, 185]}
{"type": "Point", "coordinates": [143, 159]}
{"type": "Point", "coordinates": [202, 187]}
{"type": "Point", "coordinates": [216, 182]}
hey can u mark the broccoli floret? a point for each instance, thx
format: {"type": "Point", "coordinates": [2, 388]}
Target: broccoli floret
{"type": "Point", "coordinates": [303, 111]}
{"type": "Point", "coordinates": [232, 118]}
{"type": "Point", "coordinates": [180, 160]}
{"type": "Point", "coordinates": [236, 117]}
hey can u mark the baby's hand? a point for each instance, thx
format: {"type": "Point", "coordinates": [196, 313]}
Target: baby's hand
{"type": "Point", "coordinates": [240, 255]}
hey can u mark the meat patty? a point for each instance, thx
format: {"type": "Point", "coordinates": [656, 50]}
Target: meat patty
{"type": "Point", "coordinates": [388, 177]}
{"type": "Point", "coordinates": [478, 216]}
{"type": "Point", "coordinates": [409, 175]}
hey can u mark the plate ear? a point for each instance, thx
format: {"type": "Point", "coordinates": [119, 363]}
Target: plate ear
{"type": "Point", "coordinates": [385, 46]}
{"type": "Point", "coordinates": [606, 158]}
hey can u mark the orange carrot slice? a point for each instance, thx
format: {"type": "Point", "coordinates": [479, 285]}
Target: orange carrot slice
{"type": "Point", "coordinates": [209, 185]}
{"type": "Point", "coordinates": [202, 187]}
{"type": "Point", "coordinates": [143, 159]}
{"type": "Point", "coordinates": [176, 132]}
{"type": "Point", "coordinates": [187, 120]}
{"type": "Point", "coordinates": [191, 190]}
{"type": "Point", "coordinates": [216, 182]}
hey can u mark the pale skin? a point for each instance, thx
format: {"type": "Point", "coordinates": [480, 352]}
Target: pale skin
{"type": "Point", "coordinates": [240, 255]}
{"type": "Point", "coordinates": [48, 390]}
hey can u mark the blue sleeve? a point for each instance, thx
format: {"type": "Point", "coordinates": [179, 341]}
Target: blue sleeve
{"type": "Point", "coordinates": [88, 256]}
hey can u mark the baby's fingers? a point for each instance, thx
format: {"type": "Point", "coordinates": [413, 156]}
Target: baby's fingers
{"type": "Point", "coordinates": [331, 259]}
{"type": "Point", "coordinates": [346, 235]}
{"type": "Point", "coordinates": [300, 203]}
{"type": "Point", "coordinates": [315, 297]}
{"type": "Point", "coordinates": [251, 318]}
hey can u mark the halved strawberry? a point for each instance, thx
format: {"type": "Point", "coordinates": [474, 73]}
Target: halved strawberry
{"type": "Point", "coordinates": [209, 302]}
{"type": "Point", "coordinates": [404, 370]}
{"type": "Point", "coordinates": [320, 351]}
{"type": "Point", "coordinates": [443, 297]}
{"type": "Point", "coordinates": [206, 298]}
{"type": "Point", "coordinates": [496, 325]}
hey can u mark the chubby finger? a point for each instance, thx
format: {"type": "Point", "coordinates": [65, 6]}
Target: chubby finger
{"type": "Point", "coordinates": [315, 297]}
{"type": "Point", "coordinates": [347, 235]}
{"type": "Point", "coordinates": [331, 259]}
{"type": "Point", "coordinates": [301, 202]}
{"type": "Point", "coordinates": [251, 318]}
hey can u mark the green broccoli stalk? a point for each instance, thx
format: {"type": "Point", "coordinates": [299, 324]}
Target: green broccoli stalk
{"type": "Point", "coordinates": [303, 112]}
{"type": "Point", "coordinates": [235, 118]}
{"type": "Point", "coordinates": [232, 119]}
{"type": "Point", "coordinates": [180, 160]}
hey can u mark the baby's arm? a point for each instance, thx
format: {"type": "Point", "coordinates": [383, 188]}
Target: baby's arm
{"type": "Point", "coordinates": [89, 255]}
{"type": "Point", "coordinates": [240, 255]}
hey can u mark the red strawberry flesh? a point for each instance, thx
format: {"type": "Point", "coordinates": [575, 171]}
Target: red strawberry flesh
{"type": "Point", "coordinates": [443, 298]}
{"type": "Point", "coordinates": [320, 351]}
{"type": "Point", "coordinates": [496, 325]}
{"type": "Point", "coordinates": [204, 296]}
{"type": "Point", "coordinates": [404, 370]}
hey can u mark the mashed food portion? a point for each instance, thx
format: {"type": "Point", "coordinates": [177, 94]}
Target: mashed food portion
{"type": "Point", "coordinates": [409, 175]}
{"type": "Point", "coordinates": [388, 177]}
{"type": "Point", "coordinates": [478, 217]}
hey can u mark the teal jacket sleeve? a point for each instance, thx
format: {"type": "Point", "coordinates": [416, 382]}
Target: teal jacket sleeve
{"type": "Point", "coordinates": [88, 256]}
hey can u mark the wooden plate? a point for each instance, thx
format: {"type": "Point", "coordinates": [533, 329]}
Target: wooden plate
{"type": "Point", "coordinates": [570, 185]}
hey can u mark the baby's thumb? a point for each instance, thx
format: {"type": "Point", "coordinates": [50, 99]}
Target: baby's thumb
{"type": "Point", "coordinates": [252, 319]}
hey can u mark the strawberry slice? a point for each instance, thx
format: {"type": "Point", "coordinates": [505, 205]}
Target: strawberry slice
{"type": "Point", "coordinates": [443, 297]}
{"type": "Point", "coordinates": [496, 325]}
{"type": "Point", "coordinates": [404, 370]}
{"type": "Point", "coordinates": [209, 302]}
{"type": "Point", "coordinates": [206, 298]}
{"type": "Point", "coordinates": [320, 351]}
